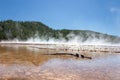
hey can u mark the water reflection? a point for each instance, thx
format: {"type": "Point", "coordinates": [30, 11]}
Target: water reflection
{"type": "Point", "coordinates": [27, 63]}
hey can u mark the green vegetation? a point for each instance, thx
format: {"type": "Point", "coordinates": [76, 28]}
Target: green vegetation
{"type": "Point", "coordinates": [10, 30]}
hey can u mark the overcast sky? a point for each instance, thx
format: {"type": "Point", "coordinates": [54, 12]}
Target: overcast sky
{"type": "Point", "coordinates": [96, 15]}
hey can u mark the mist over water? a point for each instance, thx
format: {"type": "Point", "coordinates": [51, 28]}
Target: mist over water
{"type": "Point", "coordinates": [73, 40]}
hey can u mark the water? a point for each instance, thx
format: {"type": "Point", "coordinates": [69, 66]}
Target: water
{"type": "Point", "coordinates": [28, 63]}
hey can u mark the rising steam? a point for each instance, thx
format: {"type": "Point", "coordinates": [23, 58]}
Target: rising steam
{"type": "Point", "coordinates": [72, 39]}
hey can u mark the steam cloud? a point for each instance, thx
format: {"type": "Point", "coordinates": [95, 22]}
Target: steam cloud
{"type": "Point", "coordinates": [72, 39]}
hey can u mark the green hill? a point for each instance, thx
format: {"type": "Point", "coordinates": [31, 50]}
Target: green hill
{"type": "Point", "coordinates": [10, 30]}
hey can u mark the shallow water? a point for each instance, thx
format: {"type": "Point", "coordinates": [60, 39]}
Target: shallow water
{"type": "Point", "coordinates": [28, 63]}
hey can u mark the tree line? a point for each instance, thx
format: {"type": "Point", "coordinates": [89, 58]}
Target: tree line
{"type": "Point", "coordinates": [23, 30]}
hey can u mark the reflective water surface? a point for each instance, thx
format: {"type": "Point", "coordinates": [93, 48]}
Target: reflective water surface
{"type": "Point", "coordinates": [27, 63]}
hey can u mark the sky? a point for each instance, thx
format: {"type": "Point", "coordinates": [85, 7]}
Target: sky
{"type": "Point", "coordinates": [96, 15]}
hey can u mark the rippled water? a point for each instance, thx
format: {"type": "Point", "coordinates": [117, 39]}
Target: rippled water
{"type": "Point", "coordinates": [27, 63]}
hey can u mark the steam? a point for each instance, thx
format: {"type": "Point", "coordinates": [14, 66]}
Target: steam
{"type": "Point", "coordinates": [72, 39]}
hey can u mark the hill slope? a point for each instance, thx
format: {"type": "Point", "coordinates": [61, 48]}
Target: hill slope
{"type": "Point", "coordinates": [10, 30]}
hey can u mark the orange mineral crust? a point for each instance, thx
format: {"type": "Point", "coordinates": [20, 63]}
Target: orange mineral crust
{"type": "Point", "coordinates": [53, 62]}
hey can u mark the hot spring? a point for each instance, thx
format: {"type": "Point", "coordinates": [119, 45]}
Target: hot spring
{"type": "Point", "coordinates": [20, 61]}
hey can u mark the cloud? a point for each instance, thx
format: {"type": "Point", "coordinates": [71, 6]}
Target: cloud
{"type": "Point", "coordinates": [116, 14]}
{"type": "Point", "coordinates": [117, 10]}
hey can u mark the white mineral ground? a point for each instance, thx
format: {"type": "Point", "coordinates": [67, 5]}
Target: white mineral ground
{"type": "Point", "coordinates": [20, 61]}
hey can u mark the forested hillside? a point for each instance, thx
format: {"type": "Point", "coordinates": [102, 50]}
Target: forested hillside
{"type": "Point", "coordinates": [10, 30]}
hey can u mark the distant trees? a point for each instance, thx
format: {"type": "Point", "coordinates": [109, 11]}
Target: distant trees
{"type": "Point", "coordinates": [10, 30]}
